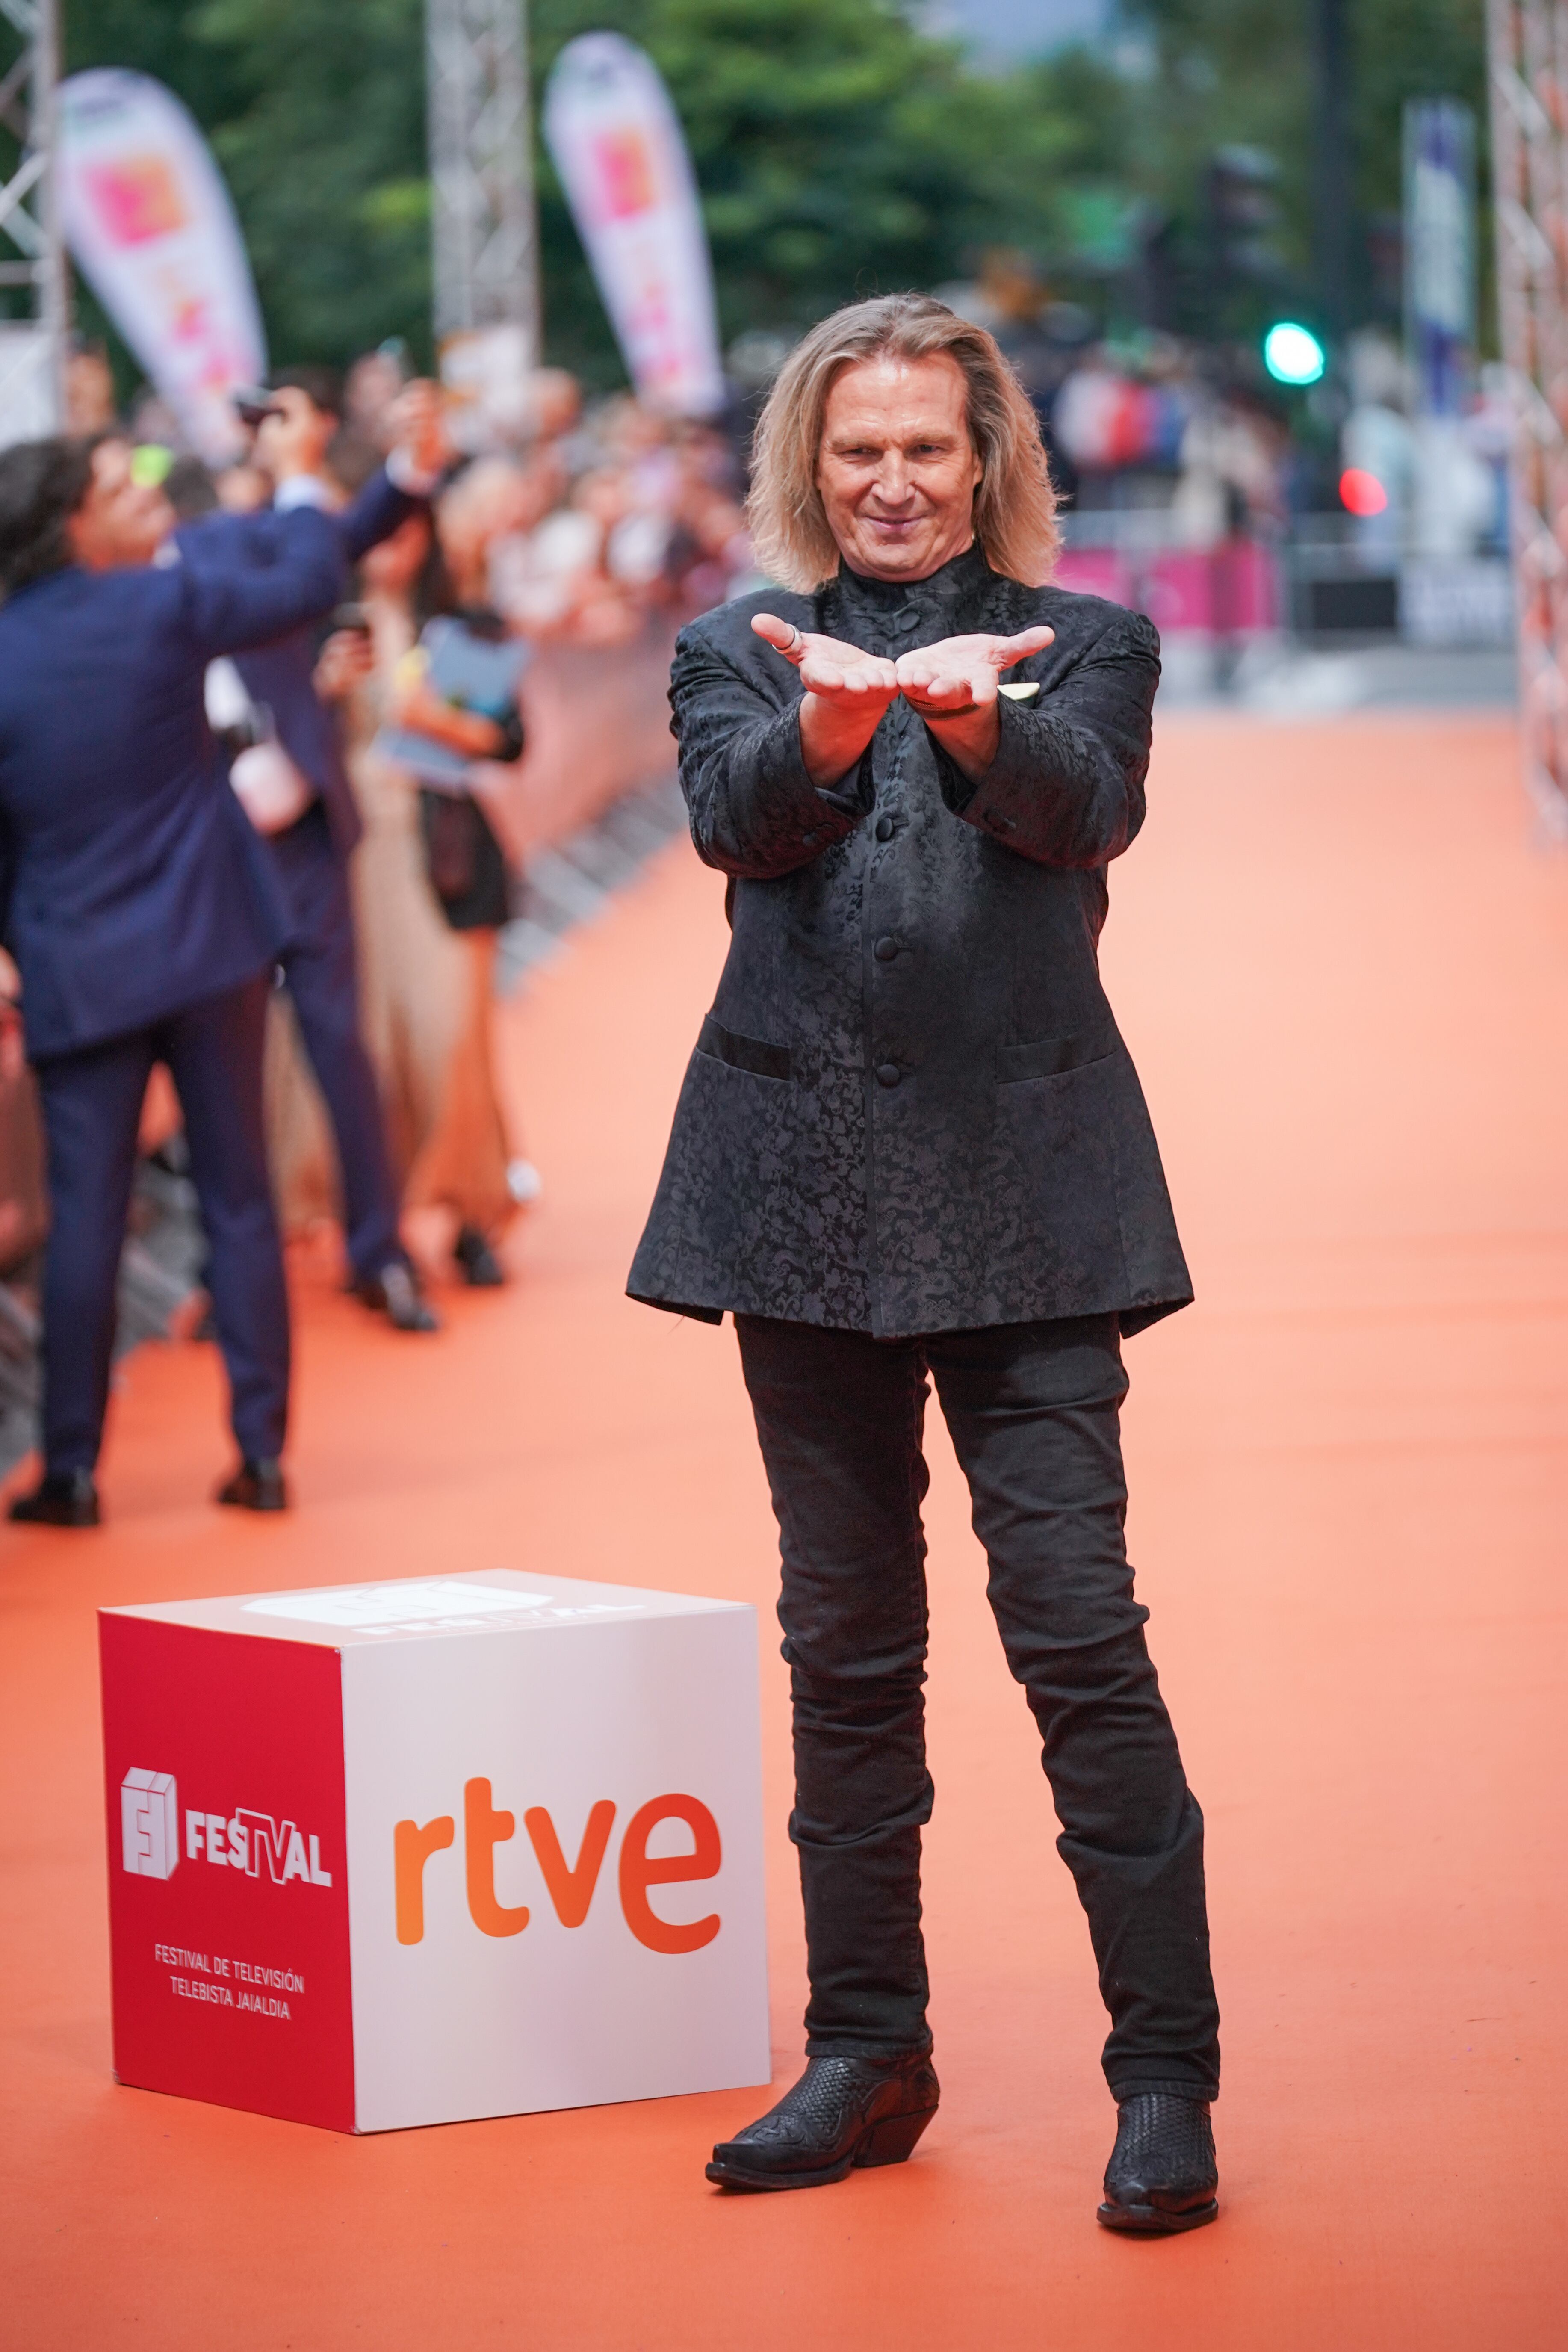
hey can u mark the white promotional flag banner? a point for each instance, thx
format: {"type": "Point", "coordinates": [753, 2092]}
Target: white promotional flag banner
{"type": "Point", "coordinates": [150, 223]}
{"type": "Point", "coordinates": [618, 148]}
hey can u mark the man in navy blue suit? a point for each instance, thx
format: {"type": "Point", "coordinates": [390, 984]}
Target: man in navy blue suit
{"type": "Point", "coordinates": [144, 913]}
{"type": "Point", "coordinates": [310, 854]}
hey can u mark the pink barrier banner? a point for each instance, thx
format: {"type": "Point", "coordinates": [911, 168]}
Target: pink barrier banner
{"type": "Point", "coordinates": [1225, 591]}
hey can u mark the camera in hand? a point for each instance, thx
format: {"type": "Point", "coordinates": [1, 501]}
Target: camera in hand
{"type": "Point", "coordinates": [252, 403]}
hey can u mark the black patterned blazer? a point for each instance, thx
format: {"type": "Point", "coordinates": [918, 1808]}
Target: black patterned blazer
{"type": "Point", "coordinates": [909, 1109]}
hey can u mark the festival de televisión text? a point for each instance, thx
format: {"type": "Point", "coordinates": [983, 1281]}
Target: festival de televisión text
{"type": "Point", "coordinates": [175, 1956]}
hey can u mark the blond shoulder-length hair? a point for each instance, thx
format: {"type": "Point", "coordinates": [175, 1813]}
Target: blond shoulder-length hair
{"type": "Point", "coordinates": [1014, 503]}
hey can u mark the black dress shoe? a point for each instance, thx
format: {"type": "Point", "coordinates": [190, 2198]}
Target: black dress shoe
{"type": "Point", "coordinates": [1162, 2176]}
{"type": "Point", "coordinates": [255, 1486]}
{"type": "Point", "coordinates": [396, 1293]}
{"type": "Point", "coordinates": [64, 1498]}
{"type": "Point", "coordinates": [482, 1270]}
{"type": "Point", "coordinates": [842, 2113]}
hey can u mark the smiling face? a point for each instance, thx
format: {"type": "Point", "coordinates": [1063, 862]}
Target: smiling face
{"type": "Point", "coordinates": [897, 470]}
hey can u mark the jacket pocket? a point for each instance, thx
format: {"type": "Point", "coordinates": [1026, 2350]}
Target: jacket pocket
{"type": "Point", "coordinates": [1047, 1057]}
{"type": "Point", "coordinates": [755, 1054]}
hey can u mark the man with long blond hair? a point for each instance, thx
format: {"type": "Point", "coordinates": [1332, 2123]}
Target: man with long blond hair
{"type": "Point", "coordinates": [911, 1146]}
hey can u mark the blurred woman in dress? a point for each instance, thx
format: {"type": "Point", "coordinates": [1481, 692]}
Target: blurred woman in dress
{"type": "Point", "coordinates": [432, 887]}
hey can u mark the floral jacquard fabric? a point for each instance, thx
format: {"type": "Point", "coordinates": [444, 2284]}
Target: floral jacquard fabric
{"type": "Point", "coordinates": [909, 1109]}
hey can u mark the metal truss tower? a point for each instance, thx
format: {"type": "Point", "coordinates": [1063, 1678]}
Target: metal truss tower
{"type": "Point", "coordinates": [32, 251]}
{"type": "Point", "coordinates": [1528, 40]}
{"type": "Point", "coordinates": [481, 167]}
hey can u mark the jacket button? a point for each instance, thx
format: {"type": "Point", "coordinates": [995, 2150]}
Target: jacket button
{"type": "Point", "coordinates": [808, 840]}
{"type": "Point", "coordinates": [884, 828]}
{"type": "Point", "coordinates": [887, 1074]}
{"type": "Point", "coordinates": [885, 951]}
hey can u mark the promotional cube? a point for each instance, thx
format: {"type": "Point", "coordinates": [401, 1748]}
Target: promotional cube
{"type": "Point", "coordinates": [388, 1855]}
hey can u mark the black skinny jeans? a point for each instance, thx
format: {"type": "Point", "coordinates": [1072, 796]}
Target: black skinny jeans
{"type": "Point", "coordinates": [1034, 1410]}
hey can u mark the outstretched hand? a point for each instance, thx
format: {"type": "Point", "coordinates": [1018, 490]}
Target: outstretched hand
{"type": "Point", "coordinates": [847, 692]}
{"type": "Point", "coordinates": [942, 681]}
{"type": "Point", "coordinates": [952, 686]}
{"type": "Point", "coordinates": [838, 672]}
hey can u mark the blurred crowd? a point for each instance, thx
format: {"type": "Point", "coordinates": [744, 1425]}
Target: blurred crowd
{"type": "Point", "coordinates": [1147, 420]}
{"type": "Point", "coordinates": [597, 524]}
{"type": "Point", "coordinates": [575, 520]}
{"type": "Point", "coordinates": [560, 523]}
{"type": "Point", "coordinates": [1153, 408]}
{"type": "Point", "coordinates": [1192, 439]}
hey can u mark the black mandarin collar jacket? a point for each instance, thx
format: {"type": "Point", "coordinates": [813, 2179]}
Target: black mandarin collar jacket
{"type": "Point", "coordinates": [909, 1109]}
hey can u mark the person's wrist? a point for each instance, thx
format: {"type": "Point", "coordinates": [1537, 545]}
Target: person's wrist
{"type": "Point", "coordinates": [829, 748]}
{"type": "Point", "coordinates": [409, 472]}
{"type": "Point", "coordinates": [970, 738]}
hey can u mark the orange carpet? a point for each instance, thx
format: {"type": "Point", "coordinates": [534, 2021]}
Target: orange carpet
{"type": "Point", "coordinates": [1343, 970]}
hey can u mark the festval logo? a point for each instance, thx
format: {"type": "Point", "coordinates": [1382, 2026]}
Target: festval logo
{"type": "Point", "coordinates": [150, 1836]}
{"type": "Point", "coordinates": [149, 1822]}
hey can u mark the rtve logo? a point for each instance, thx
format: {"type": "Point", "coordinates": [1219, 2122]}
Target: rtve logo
{"type": "Point", "coordinates": [150, 1836]}
{"type": "Point", "coordinates": [571, 1885]}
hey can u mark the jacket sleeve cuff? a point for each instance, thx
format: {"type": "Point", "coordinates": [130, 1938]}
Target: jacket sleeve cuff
{"type": "Point", "coordinates": [816, 816]}
{"type": "Point", "coordinates": [992, 801]}
{"type": "Point", "coordinates": [301, 490]}
{"type": "Point", "coordinates": [1066, 787]}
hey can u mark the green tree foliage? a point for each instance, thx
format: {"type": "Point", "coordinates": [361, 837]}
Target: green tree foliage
{"type": "Point", "coordinates": [838, 151]}
{"type": "Point", "coordinates": [1410, 48]}
{"type": "Point", "coordinates": [1217, 72]}
{"type": "Point", "coordinates": [315, 109]}
{"type": "Point", "coordinates": [840, 148]}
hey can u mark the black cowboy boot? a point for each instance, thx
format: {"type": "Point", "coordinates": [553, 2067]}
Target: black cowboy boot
{"type": "Point", "coordinates": [1162, 2176]}
{"type": "Point", "coordinates": [842, 2113]}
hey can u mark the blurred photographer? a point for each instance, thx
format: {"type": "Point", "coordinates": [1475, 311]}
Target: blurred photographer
{"type": "Point", "coordinates": [141, 909]}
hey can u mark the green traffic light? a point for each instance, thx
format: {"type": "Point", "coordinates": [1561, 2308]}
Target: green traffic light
{"type": "Point", "coordinates": [1292, 353]}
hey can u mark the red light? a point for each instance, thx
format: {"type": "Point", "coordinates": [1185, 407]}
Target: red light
{"type": "Point", "coordinates": [1361, 492]}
